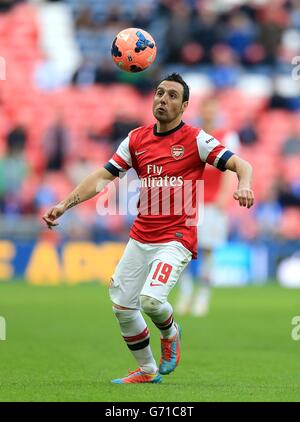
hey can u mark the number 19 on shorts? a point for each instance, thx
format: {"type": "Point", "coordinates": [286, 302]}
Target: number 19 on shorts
{"type": "Point", "coordinates": [161, 274]}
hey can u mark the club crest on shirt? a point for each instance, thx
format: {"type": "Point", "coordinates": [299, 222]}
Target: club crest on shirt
{"type": "Point", "coordinates": [177, 151]}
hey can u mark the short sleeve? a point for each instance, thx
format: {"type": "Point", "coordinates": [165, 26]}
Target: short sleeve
{"type": "Point", "coordinates": [121, 160]}
{"type": "Point", "coordinates": [211, 151]}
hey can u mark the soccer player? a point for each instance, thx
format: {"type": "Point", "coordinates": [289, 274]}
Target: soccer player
{"type": "Point", "coordinates": [194, 297]}
{"type": "Point", "coordinates": [168, 156]}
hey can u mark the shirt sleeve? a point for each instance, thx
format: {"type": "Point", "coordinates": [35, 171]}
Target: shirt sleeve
{"type": "Point", "coordinates": [211, 151]}
{"type": "Point", "coordinates": [121, 160]}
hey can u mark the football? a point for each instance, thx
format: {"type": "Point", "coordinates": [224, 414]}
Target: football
{"type": "Point", "coordinates": [133, 50]}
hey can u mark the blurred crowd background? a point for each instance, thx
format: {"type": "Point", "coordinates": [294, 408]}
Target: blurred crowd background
{"type": "Point", "coordinates": [65, 107]}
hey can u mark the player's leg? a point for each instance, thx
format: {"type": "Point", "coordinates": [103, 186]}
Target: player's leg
{"type": "Point", "coordinates": [126, 285]}
{"type": "Point", "coordinates": [136, 335]}
{"type": "Point", "coordinates": [167, 265]}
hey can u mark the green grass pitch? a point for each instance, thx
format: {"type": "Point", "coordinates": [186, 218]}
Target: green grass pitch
{"type": "Point", "coordinates": [63, 344]}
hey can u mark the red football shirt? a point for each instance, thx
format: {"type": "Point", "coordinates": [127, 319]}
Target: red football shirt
{"type": "Point", "coordinates": [169, 166]}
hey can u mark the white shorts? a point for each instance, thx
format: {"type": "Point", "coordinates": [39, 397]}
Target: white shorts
{"type": "Point", "coordinates": [213, 229]}
{"type": "Point", "coordinates": [147, 269]}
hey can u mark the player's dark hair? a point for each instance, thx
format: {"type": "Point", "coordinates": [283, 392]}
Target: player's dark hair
{"type": "Point", "coordinates": [175, 77]}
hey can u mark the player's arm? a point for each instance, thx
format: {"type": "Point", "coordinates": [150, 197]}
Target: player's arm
{"type": "Point", "coordinates": [243, 169]}
{"type": "Point", "coordinates": [87, 189]}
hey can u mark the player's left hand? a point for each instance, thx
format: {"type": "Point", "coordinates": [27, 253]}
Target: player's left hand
{"type": "Point", "coordinates": [245, 196]}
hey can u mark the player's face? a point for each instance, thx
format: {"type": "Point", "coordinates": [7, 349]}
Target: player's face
{"type": "Point", "coordinates": [168, 104]}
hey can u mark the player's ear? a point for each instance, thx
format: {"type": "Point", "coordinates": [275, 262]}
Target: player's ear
{"type": "Point", "coordinates": [184, 106]}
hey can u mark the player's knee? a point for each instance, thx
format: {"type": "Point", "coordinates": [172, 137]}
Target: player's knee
{"type": "Point", "coordinates": [125, 315]}
{"type": "Point", "coordinates": [150, 305]}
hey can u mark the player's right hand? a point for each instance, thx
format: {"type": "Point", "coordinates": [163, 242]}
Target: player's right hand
{"type": "Point", "coordinates": [52, 215]}
{"type": "Point", "coordinates": [245, 197]}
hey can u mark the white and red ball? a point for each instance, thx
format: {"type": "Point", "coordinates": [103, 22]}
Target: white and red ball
{"type": "Point", "coordinates": [133, 50]}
